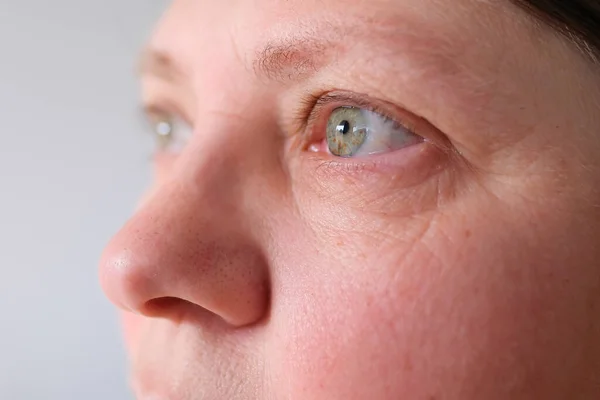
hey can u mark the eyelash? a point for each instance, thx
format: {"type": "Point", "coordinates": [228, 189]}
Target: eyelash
{"type": "Point", "coordinates": [315, 110]}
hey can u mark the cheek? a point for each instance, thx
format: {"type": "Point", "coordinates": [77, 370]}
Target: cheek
{"type": "Point", "coordinates": [343, 317]}
{"type": "Point", "coordinates": [461, 311]}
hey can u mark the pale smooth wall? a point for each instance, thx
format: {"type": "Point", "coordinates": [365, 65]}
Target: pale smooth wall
{"type": "Point", "coordinates": [73, 160]}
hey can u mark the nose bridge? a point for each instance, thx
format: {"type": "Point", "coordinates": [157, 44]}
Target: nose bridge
{"type": "Point", "coordinates": [188, 242]}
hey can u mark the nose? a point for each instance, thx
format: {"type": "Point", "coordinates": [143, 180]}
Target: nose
{"type": "Point", "coordinates": [188, 247]}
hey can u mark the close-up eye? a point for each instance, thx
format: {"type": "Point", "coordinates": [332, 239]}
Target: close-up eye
{"type": "Point", "coordinates": [354, 131]}
{"type": "Point", "coordinates": [171, 132]}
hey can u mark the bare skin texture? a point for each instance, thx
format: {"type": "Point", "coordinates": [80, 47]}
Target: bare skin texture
{"type": "Point", "coordinates": [463, 266]}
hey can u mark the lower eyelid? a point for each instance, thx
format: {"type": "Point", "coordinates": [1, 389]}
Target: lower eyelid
{"type": "Point", "coordinates": [401, 170]}
{"type": "Point", "coordinates": [420, 155]}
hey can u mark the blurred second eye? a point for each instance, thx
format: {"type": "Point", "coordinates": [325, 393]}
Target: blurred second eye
{"type": "Point", "coordinates": [353, 131]}
{"type": "Point", "coordinates": [170, 131]}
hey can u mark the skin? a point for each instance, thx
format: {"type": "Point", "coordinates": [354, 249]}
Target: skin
{"type": "Point", "coordinates": [260, 266]}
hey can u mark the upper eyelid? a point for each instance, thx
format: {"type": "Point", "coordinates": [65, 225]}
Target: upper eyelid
{"type": "Point", "coordinates": [164, 109]}
{"type": "Point", "coordinates": [349, 99]}
{"type": "Point", "coordinates": [150, 111]}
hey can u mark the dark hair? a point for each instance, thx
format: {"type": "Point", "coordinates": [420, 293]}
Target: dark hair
{"type": "Point", "coordinates": [579, 20]}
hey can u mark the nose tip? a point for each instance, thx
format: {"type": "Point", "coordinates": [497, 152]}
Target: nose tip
{"type": "Point", "coordinates": [124, 284]}
{"type": "Point", "coordinates": [143, 275]}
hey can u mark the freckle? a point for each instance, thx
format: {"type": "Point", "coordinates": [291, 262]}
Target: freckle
{"type": "Point", "coordinates": [340, 243]}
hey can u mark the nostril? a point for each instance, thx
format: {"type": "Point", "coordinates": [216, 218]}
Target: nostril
{"type": "Point", "coordinates": [175, 309]}
{"type": "Point", "coordinates": [165, 306]}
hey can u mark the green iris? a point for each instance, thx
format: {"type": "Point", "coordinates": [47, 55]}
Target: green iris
{"type": "Point", "coordinates": [346, 131]}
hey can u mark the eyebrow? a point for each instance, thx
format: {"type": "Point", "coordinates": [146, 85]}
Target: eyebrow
{"type": "Point", "coordinates": [276, 60]}
{"type": "Point", "coordinates": [292, 57]}
{"type": "Point", "coordinates": [302, 50]}
{"type": "Point", "coordinates": [153, 62]}
{"type": "Point", "coordinates": [296, 55]}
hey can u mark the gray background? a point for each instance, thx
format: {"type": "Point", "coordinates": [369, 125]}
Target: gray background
{"type": "Point", "coordinates": [73, 159]}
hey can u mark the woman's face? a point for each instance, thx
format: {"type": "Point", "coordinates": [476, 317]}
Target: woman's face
{"type": "Point", "coordinates": [368, 199]}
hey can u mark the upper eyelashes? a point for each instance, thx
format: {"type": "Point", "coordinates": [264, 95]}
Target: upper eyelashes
{"type": "Point", "coordinates": [349, 125]}
{"type": "Point", "coordinates": [353, 131]}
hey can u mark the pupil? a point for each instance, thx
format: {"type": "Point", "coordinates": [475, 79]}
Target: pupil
{"type": "Point", "coordinates": [343, 127]}
{"type": "Point", "coordinates": [164, 128]}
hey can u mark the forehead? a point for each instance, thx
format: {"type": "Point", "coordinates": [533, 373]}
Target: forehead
{"type": "Point", "coordinates": [192, 29]}
{"type": "Point", "coordinates": [438, 55]}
